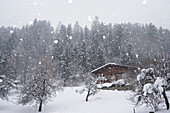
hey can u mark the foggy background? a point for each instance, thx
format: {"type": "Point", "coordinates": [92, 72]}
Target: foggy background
{"type": "Point", "coordinates": [22, 12]}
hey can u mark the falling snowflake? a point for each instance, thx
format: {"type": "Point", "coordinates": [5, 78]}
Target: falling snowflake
{"type": "Point", "coordinates": [39, 63]}
{"type": "Point", "coordinates": [14, 25]}
{"type": "Point", "coordinates": [35, 3]}
{"type": "Point", "coordinates": [30, 22]}
{"type": "Point", "coordinates": [21, 39]}
{"type": "Point", "coordinates": [137, 55]}
{"type": "Point", "coordinates": [0, 80]}
{"type": "Point", "coordinates": [144, 2]}
{"type": "Point", "coordinates": [89, 19]}
{"type": "Point", "coordinates": [39, 14]}
{"type": "Point", "coordinates": [70, 1]}
{"type": "Point", "coordinates": [11, 31]}
{"type": "Point", "coordinates": [52, 32]}
{"type": "Point", "coordinates": [55, 41]}
{"type": "Point", "coordinates": [70, 37]}
{"type": "Point", "coordinates": [104, 37]}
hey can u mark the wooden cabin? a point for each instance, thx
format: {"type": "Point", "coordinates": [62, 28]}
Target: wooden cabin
{"type": "Point", "coordinates": [112, 72]}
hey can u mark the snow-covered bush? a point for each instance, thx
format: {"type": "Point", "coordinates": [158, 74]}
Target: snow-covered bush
{"type": "Point", "coordinates": [150, 90]}
{"type": "Point", "coordinates": [118, 83]}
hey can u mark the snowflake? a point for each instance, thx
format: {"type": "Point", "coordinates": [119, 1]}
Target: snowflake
{"type": "Point", "coordinates": [137, 55]}
{"type": "Point", "coordinates": [35, 3]}
{"type": "Point", "coordinates": [104, 37]}
{"type": "Point", "coordinates": [55, 41]}
{"type": "Point", "coordinates": [30, 22]}
{"type": "Point", "coordinates": [39, 63]}
{"type": "Point", "coordinates": [11, 31]}
{"type": "Point", "coordinates": [70, 37]}
{"type": "Point", "coordinates": [14, 25]}
{"type": "Point", "coordinates": [70, 1]}
{"type": "Point", "coordinates": [144, 2]}
{"type": "Point", "coordinates": [89, 19]}
{"type": "Point", "coordinates": [39, 14]}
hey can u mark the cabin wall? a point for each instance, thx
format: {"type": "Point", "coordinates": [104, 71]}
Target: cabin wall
{"type": "Point", "coordinates": [112, 73]}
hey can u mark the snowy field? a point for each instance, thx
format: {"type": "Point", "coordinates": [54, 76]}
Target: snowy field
{"type": "Point", "coordinates": [70, 102]}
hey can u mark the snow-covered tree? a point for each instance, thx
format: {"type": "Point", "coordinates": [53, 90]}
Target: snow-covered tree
{"type": "Point", "coordinates": [7, 78]}
{"type": "Point", "coordinates": [42, 84]}
{"type": "Point", "coordinates": [90, 86]}
{"type": "Point", "coordinates": [7, 66]}
{"type": "Point", "coordinates": [150, 90]}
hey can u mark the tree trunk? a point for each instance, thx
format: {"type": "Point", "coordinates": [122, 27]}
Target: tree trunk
{"type": "Point", "coordinates": [166, 99]}
{"type": "Point", "coordinates": [88, 94]}
{"type": "Point", "coordinates": [40, 106]}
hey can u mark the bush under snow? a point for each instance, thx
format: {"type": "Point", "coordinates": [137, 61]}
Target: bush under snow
{"type": "Point", "coordinates": [149, 89]}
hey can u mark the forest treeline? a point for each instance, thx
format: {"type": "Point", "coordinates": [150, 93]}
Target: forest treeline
{"type": "Point", "coordinates": [73, 50]}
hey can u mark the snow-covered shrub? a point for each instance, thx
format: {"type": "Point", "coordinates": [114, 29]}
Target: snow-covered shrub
{"type": "Point", "coordinates": [120, 82]}
{"type": "Point", "coordinates": [150, 90]}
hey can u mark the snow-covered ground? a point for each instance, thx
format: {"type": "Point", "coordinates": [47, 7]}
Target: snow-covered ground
{"type": "Point", "coordinates": [70, 102]}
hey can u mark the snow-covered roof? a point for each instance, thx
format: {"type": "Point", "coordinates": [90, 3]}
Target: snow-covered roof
{"type": "Point", "coordinates": [111, 64]}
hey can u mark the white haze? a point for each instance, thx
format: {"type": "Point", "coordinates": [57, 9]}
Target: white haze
{"type": "Point", "coordinates": [20, 12]}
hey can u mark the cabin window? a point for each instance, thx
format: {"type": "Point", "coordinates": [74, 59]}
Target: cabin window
{"type": "Point", "coordinates": [116, 69]}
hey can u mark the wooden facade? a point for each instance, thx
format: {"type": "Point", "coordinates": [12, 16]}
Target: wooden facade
{"type": "Point", "coordinates": [112, 72]}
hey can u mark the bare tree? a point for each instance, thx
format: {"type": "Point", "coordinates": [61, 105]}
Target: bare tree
{"type": "Point", "coordinates": [90, 86]}
{"type": "Point", "coordinates": [42, 84]}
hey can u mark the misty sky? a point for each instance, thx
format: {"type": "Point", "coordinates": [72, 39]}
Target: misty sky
{"type": "Point", "coordinates": [22, 12]}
